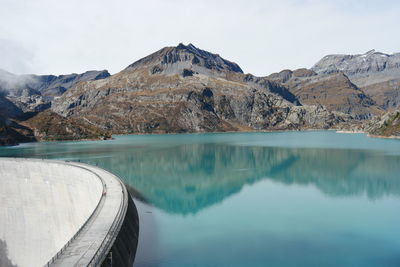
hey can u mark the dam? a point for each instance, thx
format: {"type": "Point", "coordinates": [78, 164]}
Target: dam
{"type": "Point", "coordinates": [58, 213]}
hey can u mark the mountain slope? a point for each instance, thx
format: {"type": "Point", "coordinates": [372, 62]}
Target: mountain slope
{"type": "Point", "coordinates": [23, 96]}
{"type": "Point", "coordinates": [11, 133]}
{"type": "Point", "coordinates": [377, 74]}
{"type": "Point", "coordinates": [33, 93]}
{"type": "Point", "coordinates": [49, 126]}
{"type": "Point", "coordinates": [186, 89]}
{"type": "Point", "coordinates": [334, 91]}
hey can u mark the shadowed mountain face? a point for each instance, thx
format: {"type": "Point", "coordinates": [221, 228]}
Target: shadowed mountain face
{"type": "Point", "coordinates": [377, 74]}
{"type": "Point", "coordinates": [186, 89]}
{"type": "Point", "coordinates": [12, 133]}
{"type": "Point", "coordinates": [8, 109]}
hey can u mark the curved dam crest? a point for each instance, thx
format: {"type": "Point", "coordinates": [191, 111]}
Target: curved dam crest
{"type": "Point", "coordinates": [63, 214]}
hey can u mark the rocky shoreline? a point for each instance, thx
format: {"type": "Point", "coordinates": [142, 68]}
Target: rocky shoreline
{"type": "Point", "coordinates": [254, 131]}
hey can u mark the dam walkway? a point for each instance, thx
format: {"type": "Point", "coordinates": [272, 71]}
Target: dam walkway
{"type": "Point", "coordinates": [60, 213]}
{"type": "Point", "coordinates": [92, 243]}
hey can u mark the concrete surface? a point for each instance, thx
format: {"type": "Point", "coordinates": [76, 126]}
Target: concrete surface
{"type": "Point", "coordinates": [43, 204]}
{"type": "Point", "coordinates": [99, 231]}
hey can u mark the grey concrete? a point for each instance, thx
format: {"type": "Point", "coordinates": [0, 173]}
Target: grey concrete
{"type": "Point", "coordinates": [96, 239]}
{"type": "Point", "coordinates": [43, 204]}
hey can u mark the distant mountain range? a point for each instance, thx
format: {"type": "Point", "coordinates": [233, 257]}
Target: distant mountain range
{"type": "Point", "coordinates": [186, 89]}
{"type": "Point", "coordinates": [33, 93]}
{"type": "Point", "coordinates": [377, 74]}
{"type": "Point", "coordinates": [24, 96]}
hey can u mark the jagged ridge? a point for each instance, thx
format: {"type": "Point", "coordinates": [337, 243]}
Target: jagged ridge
{"type": "Point", "coordinates": [181, 57]}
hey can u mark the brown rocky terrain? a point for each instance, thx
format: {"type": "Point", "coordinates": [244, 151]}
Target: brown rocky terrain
{"type": "Point", "coordinates": [386, 94]}
{"type": "Point", "coordinates": [335, 91]}
{"type": "Point", "coordinates": [49, 126]}
{"type": "Point", "coordinates": [376, 73]}
{"type": "Point", "coordinates": [186, 89]}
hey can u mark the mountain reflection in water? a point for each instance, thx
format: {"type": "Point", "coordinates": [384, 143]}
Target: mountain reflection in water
{"type": "Point", "coordinates": [186, 178]}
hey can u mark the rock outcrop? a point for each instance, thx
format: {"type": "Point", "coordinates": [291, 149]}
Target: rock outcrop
{"type": "Point", "coordinates": [186, 89]}
{"type": "Point", "coordinates": [171, 60]}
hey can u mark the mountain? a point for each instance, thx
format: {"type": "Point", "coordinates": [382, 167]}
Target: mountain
{"type": "Point", "coordinates": [33, 93]}
{"type": "Point", "coordinates": [23, 96]}
{"type": "Point", "coordinates": [171, 60]}
{"type": "Point", "coordinates": [186, 89]}
{"type": "Point", "coordinates": [334, 90]}
{"type": "Point", "coordinates": [376, 73]}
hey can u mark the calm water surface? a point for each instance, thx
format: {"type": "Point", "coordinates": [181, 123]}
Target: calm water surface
{"type": "Point", "coordinates": [253, 199]}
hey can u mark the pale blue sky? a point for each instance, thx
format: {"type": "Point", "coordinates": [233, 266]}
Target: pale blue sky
{"type": "Point", "coordinates": [262, 36]}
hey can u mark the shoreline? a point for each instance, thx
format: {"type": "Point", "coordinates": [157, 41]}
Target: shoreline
{"type": "Point", "coordinates": [383, 136]}
{"type": "Point", "coordinates": [255, 131]}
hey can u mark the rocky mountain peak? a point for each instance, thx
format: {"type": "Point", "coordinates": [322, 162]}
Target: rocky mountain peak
{"type": "Point", "coordinates": [369, 62]}
{"type": "Point", "coordinates": [174, 60]}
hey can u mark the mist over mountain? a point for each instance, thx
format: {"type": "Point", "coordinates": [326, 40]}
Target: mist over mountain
{"type": "Point", "coordinates": [24, 96]}
{"type": "Point", "coordinates": [34, 93]}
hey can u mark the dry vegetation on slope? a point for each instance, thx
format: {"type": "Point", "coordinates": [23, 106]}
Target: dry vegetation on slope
{"type": "Point", "coordinates": [49, 126]}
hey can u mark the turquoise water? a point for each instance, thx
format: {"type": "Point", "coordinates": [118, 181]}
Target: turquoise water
{"type": "Point", "coordinates": [253, 199]}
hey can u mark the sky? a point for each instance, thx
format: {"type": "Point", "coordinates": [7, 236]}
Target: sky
{"type": "Point", "coordinates": [262, 36]}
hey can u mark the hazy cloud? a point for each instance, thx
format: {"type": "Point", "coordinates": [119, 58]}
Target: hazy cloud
{"type": "Point", "coordinates": [262, 36]}
{"type": "Point", "coordinates": [14, 57]}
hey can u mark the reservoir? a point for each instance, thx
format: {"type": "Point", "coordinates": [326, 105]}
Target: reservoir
{"type": "Point", "coordinates": [316, 198]}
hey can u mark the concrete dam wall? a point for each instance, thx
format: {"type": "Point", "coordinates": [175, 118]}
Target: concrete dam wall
{"type": "Point", "coordinates": [57, 213]}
